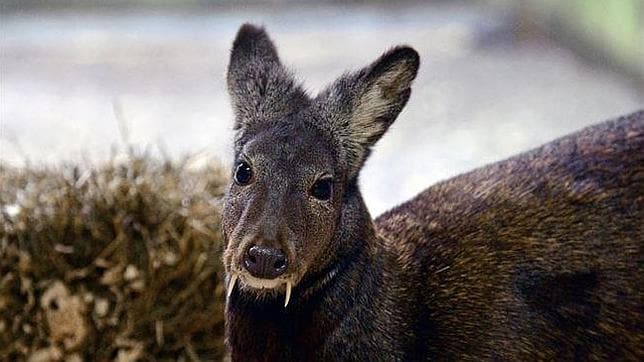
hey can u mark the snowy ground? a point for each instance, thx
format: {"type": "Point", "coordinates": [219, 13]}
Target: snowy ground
{"type": "Point", "coordinates": [481, 95]}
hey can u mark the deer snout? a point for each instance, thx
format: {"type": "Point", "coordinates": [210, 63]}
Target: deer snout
{"type": "Point", "coordinates": [265, 262]}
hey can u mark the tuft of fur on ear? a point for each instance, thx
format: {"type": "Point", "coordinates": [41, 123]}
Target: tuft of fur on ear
{"type": "Point", "coordinates": [261, 89]}
{"type": "Point", "coordinates": [360, 107]}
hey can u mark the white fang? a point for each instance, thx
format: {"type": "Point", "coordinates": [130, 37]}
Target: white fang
{"type": "Point", "coordinates": [231, 285]}
{"type": "Point", "coordinates": [288, 292]}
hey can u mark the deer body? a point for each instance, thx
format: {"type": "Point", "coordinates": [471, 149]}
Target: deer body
{"type": "Point", "coordinates": [538, 256]}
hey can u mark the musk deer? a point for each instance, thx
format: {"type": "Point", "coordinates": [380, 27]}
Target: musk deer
{"type": "Point", "coordinates": [535, 257]}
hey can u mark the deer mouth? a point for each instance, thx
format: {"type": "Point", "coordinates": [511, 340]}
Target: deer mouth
{"type": "Point", "coordinates": [249, 281]}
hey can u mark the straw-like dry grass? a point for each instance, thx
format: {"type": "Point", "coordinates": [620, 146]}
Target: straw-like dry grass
{"type": "Point", "coordinates": [120, 262]}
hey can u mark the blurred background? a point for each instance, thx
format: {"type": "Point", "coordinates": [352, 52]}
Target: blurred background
{"type": "Point", "coordinates": [78, 79]}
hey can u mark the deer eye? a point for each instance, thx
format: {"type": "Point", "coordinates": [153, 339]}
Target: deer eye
{"type": "Point", "coordinates": [322, 189]}
{"type": "Point", "coordinates": [243, 174]}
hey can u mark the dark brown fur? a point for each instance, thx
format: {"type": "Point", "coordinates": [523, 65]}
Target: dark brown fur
{"type": "Point", "coordinates": [539, 256]}
{"type": "Point", "coordinates": [535, 257]}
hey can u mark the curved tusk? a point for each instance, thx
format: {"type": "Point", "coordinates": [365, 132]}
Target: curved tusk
{"type": "Point", "coordinates": [288, 292]}
{"type": "Point", "coordinates": [231, 285]}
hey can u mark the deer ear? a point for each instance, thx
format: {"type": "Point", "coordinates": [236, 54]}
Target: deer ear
{"type": "Point", "coordinates": [369, 102]}
{"type": "Point", "coordinates": [260, 88]}
{"type": "Point", "coordinates": [252, 44]}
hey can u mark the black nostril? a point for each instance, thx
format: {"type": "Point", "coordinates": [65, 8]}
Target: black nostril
{"type": "Point", "coordinates": [265, 262]}
{"type": "Point", "coordinates": [279, 264]}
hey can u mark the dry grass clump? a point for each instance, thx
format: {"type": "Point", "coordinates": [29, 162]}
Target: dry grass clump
{"type": "Point", "coordinates": [121, 262]}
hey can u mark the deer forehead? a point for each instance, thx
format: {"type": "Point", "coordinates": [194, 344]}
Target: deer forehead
{"type": "Point", "coordinates": [290, 146]}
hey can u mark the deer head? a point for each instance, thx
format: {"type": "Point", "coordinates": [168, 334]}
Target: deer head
{"type": "Point", "coordinates": [293, 208]}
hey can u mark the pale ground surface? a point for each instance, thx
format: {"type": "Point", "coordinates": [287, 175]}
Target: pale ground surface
{"type": "Point", "coordinates": [480, 96]}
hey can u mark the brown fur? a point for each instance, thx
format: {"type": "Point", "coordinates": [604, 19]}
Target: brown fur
{"type": "Point", "coordinates": [535, 257]}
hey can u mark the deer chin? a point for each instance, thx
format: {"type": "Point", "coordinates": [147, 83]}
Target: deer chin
{"type": "Point", "coordinates": [248, 281]}
{"type": "Point", "coordinates": [259, 283]}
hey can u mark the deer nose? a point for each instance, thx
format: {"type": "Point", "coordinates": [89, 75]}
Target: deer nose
{"type": "Point", "coordinates": [265, 262]}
